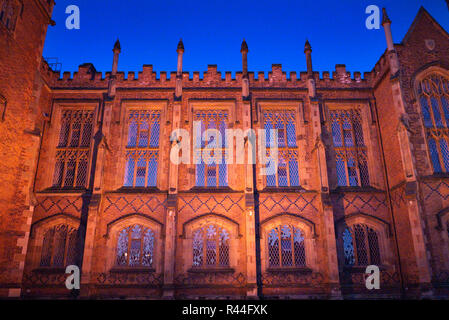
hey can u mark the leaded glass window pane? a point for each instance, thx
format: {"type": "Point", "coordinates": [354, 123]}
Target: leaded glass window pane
{"type": "Point", "coordinates": [135, 247]}
{"type": "Point", "coordinates": [348, 247]}
{"type": "Point", "coordinates": [59, 247]}
{"type": "Point", "coordinates": [211, 247]}
{"type": "Point", "coordinates": [286, 247]}
{"type": "Point", "coordinates": [361, 246]}
{"type": "Point", "coordinates": [434, 156]}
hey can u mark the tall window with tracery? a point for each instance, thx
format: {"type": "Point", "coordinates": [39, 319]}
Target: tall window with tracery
{"type": "Point", "coordinates": [59, 248]}
{"type": "Point", "coordinates": [135, 247]}
{"type": "Point", "coordinates": [287, 170]}
{"type": "Point", "coordinates": [286, 247]}
{"type": "Point", "coordinates": [9, 12]}
{"type": "Point", "coordinates": [142, 150]}
{"type": "Point", "coordinates": [361, 246]}
{"type": "Point", "coordinates": [433, 94]}
{"type": "Point", "coordinates": [211, 169]}
{"type": "Point", "coordinates": [211, 247]}
{"type": "Point", "coordinates": [349, 146]}
{"type": "Point", "coordinates": [72, 153]}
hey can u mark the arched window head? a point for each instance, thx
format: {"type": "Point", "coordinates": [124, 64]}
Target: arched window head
{"type": "Point", "coordinates": [135, 247]}
{"type": "Point", "coordinates": [286, 247]}
{"type": "Point", "coordinates": [433, 96]}
{"type": "Point", "coordinates": [361, 246]}
{"type": "Point", "coordinates": [59, 248]}
{"type": "Point", "coordinates": [211, 247]}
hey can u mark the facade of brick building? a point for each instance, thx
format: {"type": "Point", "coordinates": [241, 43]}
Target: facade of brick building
{"type": "Point", "coordinates": [361, 179]}
{"type": "Point", "coordinates": [24, 100]}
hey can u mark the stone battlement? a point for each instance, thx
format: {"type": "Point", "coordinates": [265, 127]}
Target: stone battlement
{"type": "Point", "coordinates": [88, 76]}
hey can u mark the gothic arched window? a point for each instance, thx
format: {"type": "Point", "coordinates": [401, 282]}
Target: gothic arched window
{"type": "Point", "coordinates": [349, 146]}
{"type": "Point", "coordinates": [433, 95]}
{"type": "Point", "coordinates": [135, 247]}
{"type": "Point", "coordinates": [361, 246]}
{"type": "Point", "coordinates": [211, 168]}
{"type": "Point", "coordinates": [287, 170]}
{"type": "Point", "coordinates": [286, 247]}
{"type": "Point", "coordinates": [211, 247]}
{"type": "Point", "coordinates": [59, 248]}
{"type": "Point", "coordinates": [142, 150]}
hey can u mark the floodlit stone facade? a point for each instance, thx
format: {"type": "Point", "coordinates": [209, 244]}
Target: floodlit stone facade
{"type": "Point", "coordinates": [361, 176]}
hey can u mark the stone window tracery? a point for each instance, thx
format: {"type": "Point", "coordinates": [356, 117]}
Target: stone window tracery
{"type": "Point", "coordinates": [72, 152]}
{"type": "Point", "coordinates": [211, 168]}
{"type": "Point", "coordinates": [135, 247]}
{"type": "Point", "coordinates": [350, 149]}
{"type": "Point", "coordinates": [433, 94]}
{"type": "Point", "coordinates": [287, 170]}
{"type": "Point", "coordinates": [59, 247]}
{"type": "Point", "coordinates": [361, 246]}
{"type": "Point", "coordinates": [142, 150]}
{"type": "Point", "coordinates": [211, 247]}
{"type": "Point", "coordinates": [286, 247]}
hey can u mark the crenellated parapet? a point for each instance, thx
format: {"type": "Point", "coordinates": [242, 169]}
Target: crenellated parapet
{"type": "Point", "coordinates": [88, 76]}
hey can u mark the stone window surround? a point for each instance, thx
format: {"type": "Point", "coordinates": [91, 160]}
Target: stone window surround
{"type": "Point", "coordinates": [298, 107]}
{"type": "Point", "coordinates": [308, 229]}
{"type": "Point", "coordinates": [195, 105]}
{"type": "Point", "coordinates": [145, 104]}
{"type": "Point", "coordinates": [383, 232]}
{"type": "Point", "coordinates": [204, 220]}
{"type": "Point", "coordinates": [38, 231]}
{"type": "Point", "coordinates": [374, 166]}
{"type": "Point", "coordinates": [415, 82]}
{"type": "Point", "coordinates": [54, 131]}
{"type": "Point", "coordinates": [111, 236]}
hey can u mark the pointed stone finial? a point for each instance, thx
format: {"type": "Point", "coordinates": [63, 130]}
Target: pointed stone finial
{"type": "Point", "coordinates": [244, 47]}
{"type": "Point", "coordinates": [385, 18]}
{"type": "Point", "coordinates": [117, 47]}
{"type": "Point", "coordinates": [307, 47]}
{"type": "Point", "coordinates": [308, 52]}
{"type": "Point", "coordinates": [180, 46]}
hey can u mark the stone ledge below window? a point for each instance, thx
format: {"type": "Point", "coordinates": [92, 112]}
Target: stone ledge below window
{"type": "Point", "coordinates": [132, 270]}
{"type": "Point", "coordinates": [198, 189]}
{"type": "Point", "coordinates": [49, 270]}
{"type": "Point", "coordinates": [303, 270]}
{"type": "Point", "coordinates": [344, 189]}
{"type": "Point", "coordinates": [283, 189]}
{"type": "Point", "coordinates": [211, 270]}
{"type": "Point", "coordinates": [361, 269]}
{"type": "Point", "coordinates": [138, 190]}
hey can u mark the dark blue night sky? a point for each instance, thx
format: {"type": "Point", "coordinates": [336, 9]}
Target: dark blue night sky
{"type": "Point", "coordinates": [212, 32]}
